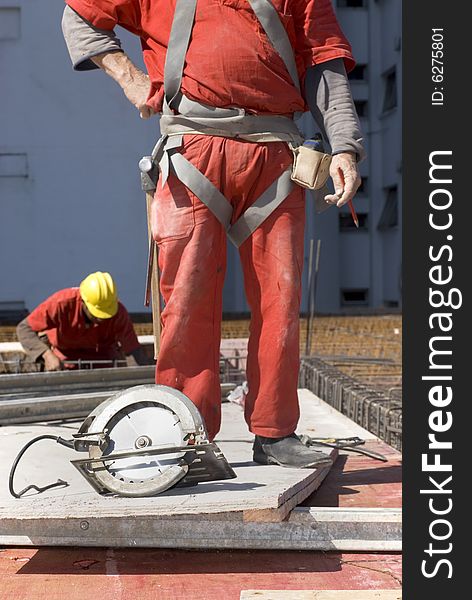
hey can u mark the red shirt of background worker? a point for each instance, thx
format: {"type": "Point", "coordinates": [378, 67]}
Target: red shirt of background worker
{"type": "Point", "coordinates": [86, 323]}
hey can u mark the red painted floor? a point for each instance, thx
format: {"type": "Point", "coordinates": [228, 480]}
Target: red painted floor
{"type": "Point", "coordinates": [85, 574]}
{"type": "Point", "coordinates": [358, 481]}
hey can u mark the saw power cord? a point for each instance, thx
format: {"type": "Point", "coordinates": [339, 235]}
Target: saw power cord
{"type": "Point", "coordinates": [59, 482]}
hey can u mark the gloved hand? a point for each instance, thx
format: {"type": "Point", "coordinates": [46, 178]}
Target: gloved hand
{"type": "Point", "coordinates": [346, 178]}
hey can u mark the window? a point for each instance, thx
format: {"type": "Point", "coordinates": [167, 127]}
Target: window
{"type": "Point", "coordinates": [10, 23]}
{"type": "Point", "coordinates": [363, 188]}
{"type": "Point", "coordinates": [389, 217]}
{"type": "Point", "coordinates": [351, 3]}
{"type": "Point", "coordinates": [359, 73]}
{"type": "Point", "coordinates": [354, 297]}
{"type": "Point", "coordinates": [361, 107]}
{"type": "Point", "coordinates": [390, 90]}
{"type": "Point", "coordinates": [346, 222]}
{"type": "Point", "coordinates": [13, 165]}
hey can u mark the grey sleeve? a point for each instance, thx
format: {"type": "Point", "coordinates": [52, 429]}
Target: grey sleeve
{"type": "Point", "coordinates": [329, 98]}
{"type": "Point", "coordinates": [29, 339]}
{"type": "Point", "coordinates": [84, 40]}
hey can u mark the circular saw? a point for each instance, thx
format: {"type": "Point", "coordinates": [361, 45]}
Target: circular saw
{"type": "Point", "coordinates": [145, 440]}
{"type": "Point", "coordinates": [141, 442]}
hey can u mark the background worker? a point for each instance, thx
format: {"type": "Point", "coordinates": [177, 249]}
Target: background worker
{"type": "Point", "coordinates": [214, 60]}
{"type": "Point", "coordinates": [85, 323]}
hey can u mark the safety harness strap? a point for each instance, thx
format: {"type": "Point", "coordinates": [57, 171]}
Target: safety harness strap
{"type": "Point", "coordinates": [179, 40]}
{"type": "Point", "coordinates": [169, 158]}
{"type": "Point", "coordinates": [194, 118]}
{"type": "Point", "coordinates": [275, 31]}
{"type": "Point", "coordinates": [256, 214]}
{"type": "Point", "coordinates": [203, 188]}
{"type": "Point", "coordinates": [207, 193]}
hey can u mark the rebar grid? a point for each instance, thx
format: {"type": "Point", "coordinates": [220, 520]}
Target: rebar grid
{"type": "Point", "coordinates": [378, 411]}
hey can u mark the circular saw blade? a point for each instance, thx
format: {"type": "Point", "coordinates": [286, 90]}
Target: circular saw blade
{"type": "Point", "coordinates": [138, 427]}
{"type": "Point", "coordinates": [133, 428]}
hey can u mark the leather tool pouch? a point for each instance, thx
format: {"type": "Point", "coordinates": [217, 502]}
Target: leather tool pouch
{"type": "Point", "coordinates": [310, 167]}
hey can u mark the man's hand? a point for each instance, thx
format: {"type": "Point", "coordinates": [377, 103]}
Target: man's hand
{"type": "Point", "coordinates": [134, 83]}
{"type": "Point", "coordinates": [51, 361]}
{"type": "Point", "coordinates": [346, 178]}
{"type": "Point", "coordinates": [137, 92]}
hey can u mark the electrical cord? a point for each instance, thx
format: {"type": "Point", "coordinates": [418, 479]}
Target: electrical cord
{"type": "Point", "coordinates": [59, 482]}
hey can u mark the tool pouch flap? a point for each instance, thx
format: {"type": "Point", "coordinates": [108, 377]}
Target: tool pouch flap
{"type": "Point", "coordinates": [310, 167]}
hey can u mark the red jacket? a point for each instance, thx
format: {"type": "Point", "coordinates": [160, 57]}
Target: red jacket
{"type": "Point", "coordinates": [230, 61]}
{"type": "Point", "coordinates": [62, 319]}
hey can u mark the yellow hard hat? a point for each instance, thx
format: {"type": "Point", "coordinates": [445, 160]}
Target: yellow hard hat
{"type": "Point", "coordinates": [98, 291]}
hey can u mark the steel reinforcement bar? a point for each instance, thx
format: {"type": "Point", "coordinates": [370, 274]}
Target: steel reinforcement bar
{"type": "Point", "coordinates": [372, 409]}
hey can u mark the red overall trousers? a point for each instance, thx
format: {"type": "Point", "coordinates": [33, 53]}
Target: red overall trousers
{"type": "Point", "coordinates": [192, 259]}
{"type": "Point", "coordinates": [230, 62]}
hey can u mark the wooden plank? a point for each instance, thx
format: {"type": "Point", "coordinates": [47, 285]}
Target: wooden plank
{"type": "Point", "coordinates": [54, 407]}
{"type": "Point", "coordinates": [305, 529]}
{"type": "Point", "coordinates": [6, 347]}
{"type": "Point", "coordinates": [10, 347]}
{"type": "Point", "coordinates": [321, 595]}
{"type": "Point", "coordinates": [50, 408]}
{"type": "Point", "coordinates": [289, 499]}
{"type": "Point", "coordinates": [67, 381]}
{"type": "Point", "coordinates": [145, 340]}
{"type": "Point", "coordinates": [271, 490]}
{"type": "Point", "coordinates": [257, 488]}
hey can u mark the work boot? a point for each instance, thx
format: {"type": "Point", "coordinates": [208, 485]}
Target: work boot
{"type": "Point", "coordinates": [288, 451]}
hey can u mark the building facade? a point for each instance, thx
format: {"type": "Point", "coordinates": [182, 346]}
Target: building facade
{"type": "Point", "coordinates": [70, 199]}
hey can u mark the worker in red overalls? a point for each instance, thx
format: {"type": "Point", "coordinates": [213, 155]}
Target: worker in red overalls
{"type": "Point", "coordinates": [228, 77]}
{"type": "Point", "coordinates": [87, 323]}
